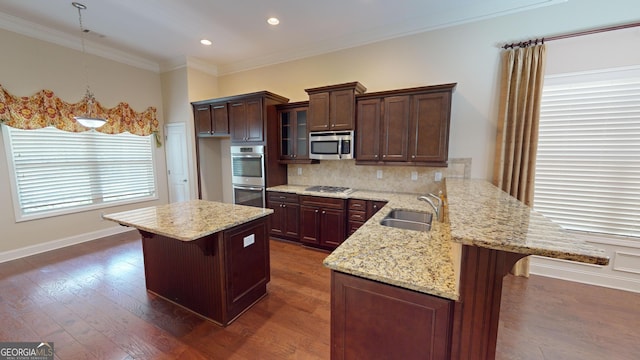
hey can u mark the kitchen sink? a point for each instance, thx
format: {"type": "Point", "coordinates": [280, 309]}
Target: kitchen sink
{"type": "Point", "coordinates": [409, 220]}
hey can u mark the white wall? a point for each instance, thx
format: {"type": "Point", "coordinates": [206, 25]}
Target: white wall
{"type": "Point", "coordinates": [30, 65]}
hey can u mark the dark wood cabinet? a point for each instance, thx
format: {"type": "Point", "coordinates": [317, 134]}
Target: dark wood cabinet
{"type": "Point", "coordinates": [406, 126]}
{"type": "Point", "coordinates": [217, 276]}
{"type": "Point", "coordinates": [333, 107]}
{"type": "Point", "coordinates": [395, 123]}
{"type": "Point", "coordinates": [294, 133]}
{"type": "Point", "coordinates": [371, 320]}
{"type": "Point", "coordinates": [285, 220]}
{"type": "Point", "coordinates": [249, 119]}
{"type": "Point", "coordinates": [322, 221]}
{"type": "Point", "coordinates": [211, 119]}
{"type": "Point", "coordinates": [360, 211]}
{"type": "Point", "coordinates": [246, 119]}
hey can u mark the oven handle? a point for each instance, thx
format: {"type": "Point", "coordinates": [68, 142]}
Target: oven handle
{"type": "Point", "coordinates": [253, 188]}
{"type": "Point", "coordinates": [246, 156]}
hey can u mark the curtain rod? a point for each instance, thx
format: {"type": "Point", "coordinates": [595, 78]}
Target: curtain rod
{"type": "Point", "coordinates": [569, 35]}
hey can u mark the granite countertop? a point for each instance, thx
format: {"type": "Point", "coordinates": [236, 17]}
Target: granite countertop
{"type": "Point", "coordinates": [189, 220]}
{"type": "Point", "coordinates": [478, 214]}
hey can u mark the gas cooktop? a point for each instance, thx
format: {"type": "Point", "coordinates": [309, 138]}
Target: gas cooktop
{"type": "Point", "coordinates": [330, 189]}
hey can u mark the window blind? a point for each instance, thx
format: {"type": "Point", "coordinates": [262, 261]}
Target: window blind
{"type": "Point", "coordinates": [588, 160]}
{"type": "Point", "coordinates": [56, 170]}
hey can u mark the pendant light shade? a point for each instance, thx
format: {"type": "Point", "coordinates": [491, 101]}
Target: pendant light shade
{"type": "Point", "coordinates": [90, 119]}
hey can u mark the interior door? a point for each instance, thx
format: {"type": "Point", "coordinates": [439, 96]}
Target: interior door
{"type": "Point", "coordinates": [177, 162]}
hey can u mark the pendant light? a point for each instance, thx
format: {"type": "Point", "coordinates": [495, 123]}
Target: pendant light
{"type": "Point", "coordinates": [90, 119]}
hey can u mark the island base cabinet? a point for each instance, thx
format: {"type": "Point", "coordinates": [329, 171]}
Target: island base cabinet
{"type": "Point", "coordinates": [365, 321]}
{"type": "Point", "coordinates": [218, 276]}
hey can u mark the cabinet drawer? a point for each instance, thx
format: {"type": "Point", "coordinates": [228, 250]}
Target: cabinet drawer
{"type": "Point", "coordinates": [353, 226]}
{"type": "Point", "coordinates": [283, 197]}
{"type": "Point", "coordinates": [355, 215]}
{"type": "Point", "coordinates": [323, 202]}
{"type": "Point", "coordinates": [357, 204]}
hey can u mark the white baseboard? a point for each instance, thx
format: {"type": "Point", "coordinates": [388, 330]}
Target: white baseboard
{"type": "Point", "coordinates": [60, 243]}
{"type": "Point", "coordinates": [586, 274]}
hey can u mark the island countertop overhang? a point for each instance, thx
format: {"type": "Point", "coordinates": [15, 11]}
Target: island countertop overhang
{"type": "Point", "coordinates": [189, 220]}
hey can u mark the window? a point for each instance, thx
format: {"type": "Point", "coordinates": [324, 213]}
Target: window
{"type": "Point", "coordinates": [57, 172]}
{"type": "Point", "coordinates": [588, 162]}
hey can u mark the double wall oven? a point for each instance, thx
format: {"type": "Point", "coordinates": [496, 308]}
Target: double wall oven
{"type": "Point", "coordinates": [248, 175]}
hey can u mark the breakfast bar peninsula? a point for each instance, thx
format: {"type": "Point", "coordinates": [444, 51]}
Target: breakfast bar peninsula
{"type": "Point", "coordinates": [209, 257]}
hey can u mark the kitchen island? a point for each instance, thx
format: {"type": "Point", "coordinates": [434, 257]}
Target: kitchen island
{"type": "Point", "coordinates": [208, 257]}
{"type": "Point", "coordinates": [436, 294]}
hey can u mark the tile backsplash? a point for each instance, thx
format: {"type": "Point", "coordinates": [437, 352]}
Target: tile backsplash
{"type": "Point", "coordinates": [393, 178]}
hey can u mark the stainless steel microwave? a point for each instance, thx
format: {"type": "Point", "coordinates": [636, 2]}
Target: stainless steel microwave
{"type": "Point", "coordinates": [331, 145]}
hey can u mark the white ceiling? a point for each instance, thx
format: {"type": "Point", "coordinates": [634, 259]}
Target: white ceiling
{"type": "Point", "coordinates": [163, 34]}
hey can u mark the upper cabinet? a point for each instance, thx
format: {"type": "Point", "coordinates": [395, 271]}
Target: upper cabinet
{"type": "Point", "coordinates": [408, 125]}
{"type": "Point", "coordinates": [332, 108]}
{"type": "Point", "coordinates": [294, 132]}
{"type": "Point", "coordinates": [211, 118]}
{"type": "Point", "coordinates": [246, 120]}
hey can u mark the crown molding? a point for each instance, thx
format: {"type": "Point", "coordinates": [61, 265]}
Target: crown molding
{"type": "Point", "coordinates": [33, 30]}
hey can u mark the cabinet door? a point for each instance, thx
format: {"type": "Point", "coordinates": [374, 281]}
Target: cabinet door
{"type": "Point", "coordinates": [309, 224]}
{"type": "Point", "coordinates": [287, 134]}
{"type": "Point", "coordinates": [301, 134]}
{"type": "Point", "coordinates": [319, 112]}
{"type": "Point", "coordinates": [332, 227]}
{"type": "Point", "coordinates": [291, 213]}
{"type": "Point", "coordinates": [202, 114]}
{"type": "Point", "coordinates": [278, 218]}
{"type": "Point", "coordinates": [368, 135]}
{"type": "Point", "coordinates": [237, 121]}
{"type": "Point", "coordinates": [246, 265]}
{"type": "Point", "coordinates": [394, 128]}
{"type": "Point", "coordinates": [342, 109]}
{"type": "Point", "coordinates": [408, 324]}
{"type": "Point", "coordinates": [429, 129]}
{"type": "Point", "coordinates": [373, 207]}
{"type": "Point", "coordinates": [253, 120]}
{"type": "Point", "coordinates": [219, 119]}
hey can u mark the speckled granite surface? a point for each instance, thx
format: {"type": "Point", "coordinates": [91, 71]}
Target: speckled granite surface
{"type": "Point", "coordinates": [482, 215]}
{"type": "Point", "coordinates": [188, 220]}
{"type": "Point", "coordinates": [479, 214]}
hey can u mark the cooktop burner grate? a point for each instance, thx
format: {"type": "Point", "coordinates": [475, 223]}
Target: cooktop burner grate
{"type": "Point", "coordinates": [330, 189]}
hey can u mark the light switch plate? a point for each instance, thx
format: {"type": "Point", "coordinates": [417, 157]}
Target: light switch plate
{"type": "Point", "coordinates": [299, 171]}
{"type": "Point", "coordinates": [414, 175]}
{"type": "Point", "coordinates": [379, 174]}
{"type": "Point", "coordinates": [248, 240]}
{"type": "Point", "coordinates": [438, 176]}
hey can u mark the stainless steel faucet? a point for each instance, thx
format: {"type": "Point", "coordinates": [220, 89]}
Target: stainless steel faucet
{"type": "Point", "coordinates": [436, 208]}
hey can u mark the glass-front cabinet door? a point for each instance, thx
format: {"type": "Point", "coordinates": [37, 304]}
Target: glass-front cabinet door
{"type": "Point", "coordinates": [294, 133]}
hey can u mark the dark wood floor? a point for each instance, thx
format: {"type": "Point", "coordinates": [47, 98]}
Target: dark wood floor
{"type": "Point", "coordinates": [90, 300]}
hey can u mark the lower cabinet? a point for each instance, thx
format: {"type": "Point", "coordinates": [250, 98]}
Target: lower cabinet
{"type": "Point", "coordinates": [322, 221]}
{"type": "Point", "coordinates": [371, 320]}
{"type": "Point", "coordinates": [360, 211]}
{"type": "Point", "coordinates": [285, 220]}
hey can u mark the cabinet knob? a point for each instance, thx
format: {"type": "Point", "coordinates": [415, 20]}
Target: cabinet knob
{"type": "Point", "coordinates": [413, 156]}
{"type": "Point", "coordinates": [384, 156]}
{"type": "Point", "coordinates": [284, 205]}
{"type": "Point", "coordinates": [375, 156]}
{"type": "Point", "coordinates": [316, 211]}
{"type": "Point", "coordinates": [375, 206]}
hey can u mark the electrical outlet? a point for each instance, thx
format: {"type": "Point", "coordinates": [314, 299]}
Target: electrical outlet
{"type": "Point", "coordinates": [299, 171]}
{"type": "Point", "coordinates": [438, 176]}
{"type": "Point", "coordinates": [379, 174]}
{"type": "Point", "coordinates": [414, 175]}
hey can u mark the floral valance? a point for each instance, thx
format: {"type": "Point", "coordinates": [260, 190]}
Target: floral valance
{"type": "Point", "coordinates": [45, 109]}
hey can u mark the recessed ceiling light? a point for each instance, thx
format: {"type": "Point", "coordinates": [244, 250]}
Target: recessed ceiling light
{"type": "Point", "coordinates": [205, 42]}
{"type": "Point", "coordinates": [273, 21]}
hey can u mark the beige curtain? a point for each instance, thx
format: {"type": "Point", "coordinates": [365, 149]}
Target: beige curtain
{"type": "Point", "coordinates": [517, 138]}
